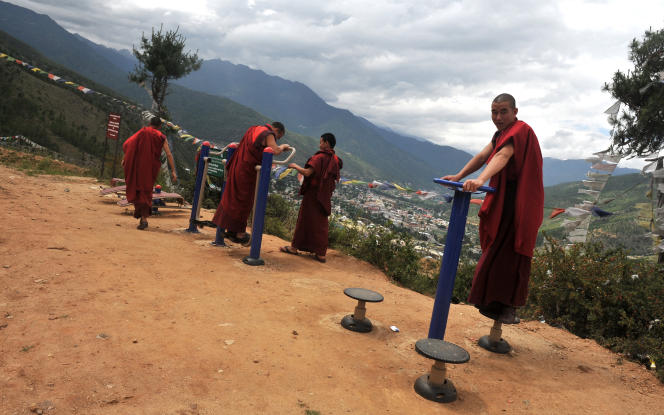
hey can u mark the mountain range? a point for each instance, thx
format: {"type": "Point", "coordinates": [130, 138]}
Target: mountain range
{"type": "Point", "coordinates": [219, 101]}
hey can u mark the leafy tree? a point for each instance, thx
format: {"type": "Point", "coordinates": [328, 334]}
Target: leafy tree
{"type": "Point", "coordinates": [639, 128]}
{"type": "Point", "coordinates": [161, 58]}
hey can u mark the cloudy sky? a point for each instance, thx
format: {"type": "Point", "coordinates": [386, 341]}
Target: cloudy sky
{"type": "Point", "coordinates": [427, 68]}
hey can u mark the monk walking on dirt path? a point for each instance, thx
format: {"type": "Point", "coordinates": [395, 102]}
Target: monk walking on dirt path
{"type": "Point", "coordinates": [141, 162]}
{"type": "Point", "coordinates": [321, 174]}
{"type": "Point", "coordinates": [238, 198]}
{"type": "Point", "coordinates": [510, 217]}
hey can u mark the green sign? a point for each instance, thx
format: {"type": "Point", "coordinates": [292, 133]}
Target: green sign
{"type": "Point", "coordinates": [215, 166]}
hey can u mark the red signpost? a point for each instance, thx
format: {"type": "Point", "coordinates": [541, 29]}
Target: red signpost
{"type": "Point", "coordinates": [113, 127]}
{"type": "Point", "coordinates": [112, 132]}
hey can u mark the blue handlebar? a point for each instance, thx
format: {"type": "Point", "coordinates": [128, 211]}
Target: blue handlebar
{"type": "Point", "coordinates": [487, 189]}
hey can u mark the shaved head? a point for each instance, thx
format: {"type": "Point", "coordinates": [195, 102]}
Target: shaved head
{"type": "Point", "coordinates": [506, 98]}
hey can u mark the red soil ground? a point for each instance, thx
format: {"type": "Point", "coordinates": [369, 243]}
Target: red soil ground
{"type": "Point", "coordinates": [97, 317]}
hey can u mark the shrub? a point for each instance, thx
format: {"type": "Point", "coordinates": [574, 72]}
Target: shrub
{"type": "Point", "coordinates": [280, 217]}
{"type": "Point", "coordinates": [392, 252]}
{"type": "Point", "coordinates": [600, 294]}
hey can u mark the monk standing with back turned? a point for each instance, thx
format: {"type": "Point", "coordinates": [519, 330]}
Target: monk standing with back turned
{"type": "Point", "coordinates": [321, 174]}
{"type": "Point", "coordinates": [238, 198]}
{"type": "Point", "coordinates": [510, 217]}
{"type": "Point", "coordinates": [141, 162]}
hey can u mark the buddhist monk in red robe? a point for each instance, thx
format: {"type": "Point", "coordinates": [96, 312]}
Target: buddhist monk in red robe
{"type": "Point", "coordinates": [141, 162]}
{"type": "Point", "coordinates": [238, 198]}
{"type": "Point", "coordinates": [321, 174]}
{"type": "Point", "coordinates": [510, 217]}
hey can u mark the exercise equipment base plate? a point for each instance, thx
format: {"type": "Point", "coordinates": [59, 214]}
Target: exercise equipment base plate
{"type": "Point", "coordinates": [444, 393]}
{"type": "Point", "coordinates": [500, 346]}
{"type": "Point", "coordinates": [253, 261]}
{"type": "Point", "coordinates": [361, 326]}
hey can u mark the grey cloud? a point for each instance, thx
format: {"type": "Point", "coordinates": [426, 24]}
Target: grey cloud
{"type": "Point", "coordinates": [387, 60]}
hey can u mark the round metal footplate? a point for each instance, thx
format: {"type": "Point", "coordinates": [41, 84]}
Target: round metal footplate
{"type": "Point", "coordinates": [362, 294]}
{"type": "Point", "coordinates": [442, 351]}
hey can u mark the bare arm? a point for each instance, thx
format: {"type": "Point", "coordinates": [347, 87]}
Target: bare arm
{"type": "Point", "coordinates": [271, 142]}
{"type": "Point", "coordinates": [171, 162]}
{"type": "Point", "coordinates": [473, 165]}
{"type": "Point", "coordinates": [305, 172]}
{"type": "Point", "coordinates": [497, 163]}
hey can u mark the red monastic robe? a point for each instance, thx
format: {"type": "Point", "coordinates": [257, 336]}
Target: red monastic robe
{"type": "Point", "coordinates": [311, 230]}
{"type": "Point", "coordinates": [509, 221]}
{"type": "Point", "coordinates": [238, 198]}
{"type": "Point", "coordinates": [142, 153]}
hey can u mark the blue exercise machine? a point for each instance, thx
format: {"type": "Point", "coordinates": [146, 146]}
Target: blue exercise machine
{"type": "Point", "coordinates": [435, 386]}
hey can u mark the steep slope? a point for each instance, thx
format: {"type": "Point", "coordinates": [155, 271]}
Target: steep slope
{"type": "Point", "coordinates": [54, 115]}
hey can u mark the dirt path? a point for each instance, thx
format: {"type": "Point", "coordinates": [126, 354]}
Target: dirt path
{"type": "Point", "coordinates": [99, 318]}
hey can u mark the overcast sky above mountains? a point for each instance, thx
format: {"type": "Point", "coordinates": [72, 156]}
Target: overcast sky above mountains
{"type": "Point", "coordinates": [423, 68]}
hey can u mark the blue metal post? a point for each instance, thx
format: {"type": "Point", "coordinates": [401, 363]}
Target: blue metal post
{"type": "Point", "coordinates": [451, 254]}
{"type": "Point", "coordinates": [259, 210]}
{"type": "Point", "coordinates": [448, 267]}
{"type": "Point", "coordinates": [205, 152]}
{"type": "Point", "coordinates": [219, 236]}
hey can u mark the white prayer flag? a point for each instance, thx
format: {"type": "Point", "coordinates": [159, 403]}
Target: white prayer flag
{"type": "Point", "coordinates": [589, 192]}
{"type": "Point", "coordinates": [594, 185]}
{"type": "Point", "coordinates": [613, 158]}
{"type": "Point", "coordinates": [598, 176]}
{"type": "Point", "coordinates": [610, 167]}
{"type": "Point", "coordinates": [613, 109]}
{"type": "Point", "coordinates": [576, 212]}
{"type": "Point", "coordinates": [585, 205]}
{"type": "Point", "coordinates": [649, 168]}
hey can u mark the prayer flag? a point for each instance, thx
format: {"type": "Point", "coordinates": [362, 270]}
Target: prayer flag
{"type": "Point", "coordinates": [579, 232]}
{"type": "Point", "coordinates": [600, 213]}
{"type": "Point", "coordinates": [589, 192]}
{"type": "Point", "coordinates": [598, 176]}
{"type": "Point", "coordinates": [277, 171]}
{"type": "Point", "coordinates": [610, 167]}
{"type": "Point", "coordinates": [285, 173]}
{"type": "Point", "coordinates": [576, 212]}
{"type": "Point", "coordinates": [613, 109]}
{"type": "Point", "coordinates": [555, 212]}
{"type": "Point", "coordinates": [649, 168]}
{"type": "Point", "coordinates": [594, 185]}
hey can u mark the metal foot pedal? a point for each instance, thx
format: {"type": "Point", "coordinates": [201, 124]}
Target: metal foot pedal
{"type": "Point", "coordinates": [358, 321]}
{"type": "Point", "coordinates": [494, 342]}
{"type": "Point", "coordinates": [434, 386]}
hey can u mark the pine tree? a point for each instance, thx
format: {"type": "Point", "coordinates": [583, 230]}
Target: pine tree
{"type": "Point", "coordinates": [639, 128]}
{"type": "Point", "coordinates": [162, 58]}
